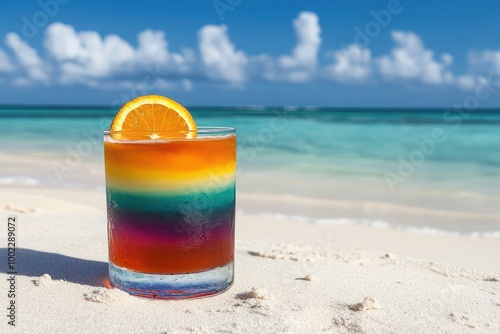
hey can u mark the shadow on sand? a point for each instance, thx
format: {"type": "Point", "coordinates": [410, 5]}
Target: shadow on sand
{"type": "Point", "coordinates": [36, 263]}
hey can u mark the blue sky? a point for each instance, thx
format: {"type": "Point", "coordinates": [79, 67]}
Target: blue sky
{"type": "Point", "coordinates": [242, 52]}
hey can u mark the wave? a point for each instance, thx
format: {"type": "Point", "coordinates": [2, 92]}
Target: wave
{"type": "Point", "coordinates": [19, 181]}
{"type": "Point", "coordinates": [379, 224]}
{"type": "Point", "coordinates": [27, 181]}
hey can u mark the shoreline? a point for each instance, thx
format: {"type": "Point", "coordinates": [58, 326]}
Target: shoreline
{"type": "Point", "coordinates": [376, 224]}
{"type": "Point", "coordinates": [345, 210]}
{"type": "Point", "coordinates": [301, 197]}
{"type": "Point", "coordinates": [374, 213]}
{"type": "Point", "coordinates": [290, 277]}
{"type": "Point", "coordinates": [463, 250]}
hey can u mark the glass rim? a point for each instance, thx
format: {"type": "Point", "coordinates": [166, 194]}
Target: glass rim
{"type": "Point", "coordinates": [199, 130]}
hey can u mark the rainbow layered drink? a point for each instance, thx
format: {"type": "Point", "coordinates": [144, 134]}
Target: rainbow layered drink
{"type": "Point", "coordinates": [171, 206]}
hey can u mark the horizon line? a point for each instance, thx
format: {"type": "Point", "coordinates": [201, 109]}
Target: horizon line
{"type": "Point", "coordinates": [224, 107]}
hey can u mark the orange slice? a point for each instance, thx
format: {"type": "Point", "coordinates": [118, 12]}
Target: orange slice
{"type": "Point", "coordinates": [153, 117]}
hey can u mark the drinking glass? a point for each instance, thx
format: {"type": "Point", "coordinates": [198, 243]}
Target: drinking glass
{"type": "Point", "coordinates": [171, 211]}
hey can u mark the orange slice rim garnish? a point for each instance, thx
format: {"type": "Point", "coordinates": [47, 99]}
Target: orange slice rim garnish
{"type": "Point", "coordinates": [153, 117]}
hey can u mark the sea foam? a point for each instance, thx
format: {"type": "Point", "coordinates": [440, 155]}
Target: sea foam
{"type": "Point", "coordinates": [18, 181]}
{"type": "Point", "coordinates": [379, 224]}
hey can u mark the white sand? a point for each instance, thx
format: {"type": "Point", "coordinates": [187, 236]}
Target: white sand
{"type": "Point", "coordinates": [43, 280]}
{"type": "Point", "coordinates": [291, 277]}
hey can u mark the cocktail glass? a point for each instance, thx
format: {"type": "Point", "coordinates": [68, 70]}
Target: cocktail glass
{"type": "Point", "coordinates": [171, 211]}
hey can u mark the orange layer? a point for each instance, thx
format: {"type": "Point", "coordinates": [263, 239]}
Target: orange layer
{"type": "Point", "coordinates": [162, 184]}
{"type": "Point", "coordinates": [170, 162]}
{"type": "Point", "coordinates": [157, 253]}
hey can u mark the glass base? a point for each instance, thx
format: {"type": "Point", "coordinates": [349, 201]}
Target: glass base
{"type": "Point", "coordinates": [180, 286]}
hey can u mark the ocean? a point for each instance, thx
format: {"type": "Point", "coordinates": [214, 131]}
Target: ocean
{"type": "Point", "coordinates": [439, 165]}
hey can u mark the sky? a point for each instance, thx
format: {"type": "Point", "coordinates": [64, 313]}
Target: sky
{"type": "Point", "coordinates": [338, 53]}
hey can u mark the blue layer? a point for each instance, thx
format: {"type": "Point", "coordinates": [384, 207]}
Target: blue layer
{"type": "Point", "coordinates": [171, 204]}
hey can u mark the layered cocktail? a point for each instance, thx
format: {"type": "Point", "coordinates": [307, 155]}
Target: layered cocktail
{"type": "Point", "coordinates": [171, 205]}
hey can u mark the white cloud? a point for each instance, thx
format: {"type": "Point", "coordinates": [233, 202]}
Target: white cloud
{"type": "Point", "coordinates": [187, 84]}
{"type": "Point", "coordinates": [411, 60]}
{"type": "Point", "coordinates": [352, 63]}
{"type": "Point", "coordinates": [485, 62]}
{"type": "Point", "coordinates": [153, 47]}
{"type": "Point", "coordinates": [62, 42]}
{"type": "Point", "coordinates": [484, 66]}
{"type": "Point", "coordinates": [466, 82]}
{"type": "Point", "coordinates": [302, 63]}
{"type": "Point", "coordinates": [28, 59]}
{"type": "Point", "coordinates": [220, 58]}
{"type": "Point", "coordinates": [84, 56]}
{"type": "Point", "coordinates": [308, 33]}
{"type": "Point", "coordinates": [109, 61]}
{"type": "Point", "coordinates": [5, 63]}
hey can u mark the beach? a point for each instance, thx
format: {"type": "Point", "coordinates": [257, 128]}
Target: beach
{"type": "Point", "coordinates": [249, 167]}
{"type": "Point", "coordinates": [291, 277]}
{"type": "Point", "coordinates": [323, 244]}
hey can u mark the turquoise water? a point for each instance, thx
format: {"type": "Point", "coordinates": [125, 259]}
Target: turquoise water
{"type": "Point", "coordinates": [423, 159]}
{"type": "Point", "coordinates": [363, 143]}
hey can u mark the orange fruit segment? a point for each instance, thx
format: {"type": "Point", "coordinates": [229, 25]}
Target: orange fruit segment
{"type": "Point", "coordinates": [153, 117]}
